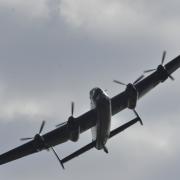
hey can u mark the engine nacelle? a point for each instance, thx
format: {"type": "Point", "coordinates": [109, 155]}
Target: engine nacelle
{"type": "Point", "coordinates": [73, 129]}
{"type": "Point", "coordinates": [132, 96]}
{"type": "Point", "coordinates": [163, 73]}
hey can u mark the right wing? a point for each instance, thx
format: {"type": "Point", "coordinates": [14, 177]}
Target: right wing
{"type": "Point", "coordinates": [17, 153]}
{"type": "Point", "coordinates": [51, 139]}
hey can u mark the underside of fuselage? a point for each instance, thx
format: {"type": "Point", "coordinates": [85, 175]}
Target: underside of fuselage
{"type": "Point", "coordinates": [102, 103]}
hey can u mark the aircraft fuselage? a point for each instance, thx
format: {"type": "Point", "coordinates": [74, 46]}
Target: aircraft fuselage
{"type": "Point", "coordinates": [102, 103]}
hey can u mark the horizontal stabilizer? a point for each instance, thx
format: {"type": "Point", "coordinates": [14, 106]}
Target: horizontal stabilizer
{"type": "Point", "coordinates": [79, 152]}
{"type": "Point", "coordinates": [123, 127]}
{"type": "Point", "coordinates": [92, 144]}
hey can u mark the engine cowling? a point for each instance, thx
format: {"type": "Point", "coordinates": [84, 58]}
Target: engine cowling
{"type": "Point", "coordinates": [132, 96]}
{"type": "Point", "coordinates": [73, 129]}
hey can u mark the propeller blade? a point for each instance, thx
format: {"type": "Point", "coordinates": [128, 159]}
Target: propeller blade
{"type": "Point", "coordinates": [42, 126]}
{"type": "Point", "coordinates": [171, 77]}
{"type": "Point", "coordinates": [59, 125]}
{"type": "Point", "coordinates": [163, 57]}
{"type": "Point", "coordinates": [53, 150]}
{"type": "Point", "coordinates": [135, 112]}
{"type": "Point", "coordinates": [105, 149]}
{"type": "Point", "coordinates": [118, 82]}
{"type": "Point", "coordinates": [150, 70]}
{"type": "Point", "coordinates": [72, 108]}
{"type": "Point", "coordinates": [25, 139]}
{"type": "Point", "coordinates": [139, 78]}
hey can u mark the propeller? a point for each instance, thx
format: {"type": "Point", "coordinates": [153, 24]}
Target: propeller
{"type": "Point", "coordinates": [118, 82]}
{"type": "Point", "coordinates": [135, 112]}
{"type": "Point", "coordinates": [50, 147]}
{"type": "Point", "coordinates": [59, 125]}
{"type": "Point", "coordinates": [162, 63]}
{"type": "Point", "coordinates": [56, 155]}
{"type": "Point", "coordinates": [72, 108]}
{"type": "Point", "coordinates": [72, 113]}
{"type": "Point", "coordinates": [163, 57]}
{"type": "Point", "coordinates": [40, 131]}
{"type": "Point", "coordinates": [136, 81]}
{"type": "Point", "coordinates": [105, 149]}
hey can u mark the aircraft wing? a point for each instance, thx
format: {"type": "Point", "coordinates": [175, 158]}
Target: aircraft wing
{"type": "Point", "coordinates": [120, 101]}
{"type": "Point", "coordinates": [155, 78]}
{"type": "Point", "coordinates": [88, 119]}
{"type": "Point", "coordinates": [51, 139]}
{"type": "Point", "coordinates": [18, 152]}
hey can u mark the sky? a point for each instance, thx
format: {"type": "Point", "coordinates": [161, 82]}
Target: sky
{"type": "Point", "coordinates": [53, 52]}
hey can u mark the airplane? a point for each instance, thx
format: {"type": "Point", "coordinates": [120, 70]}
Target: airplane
{"type": "Point", "coordinates": [98, 118]}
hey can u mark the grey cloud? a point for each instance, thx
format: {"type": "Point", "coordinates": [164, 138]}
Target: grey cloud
{"type": "Point", "coordinates": [45, 63]}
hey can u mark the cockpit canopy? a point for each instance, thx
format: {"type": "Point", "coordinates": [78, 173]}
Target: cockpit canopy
{"type": "Point", "coordinates": [95, 92]}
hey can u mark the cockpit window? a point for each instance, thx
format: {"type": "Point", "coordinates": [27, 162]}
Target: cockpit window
{"type": "Point", "coordinates": [94, 93]}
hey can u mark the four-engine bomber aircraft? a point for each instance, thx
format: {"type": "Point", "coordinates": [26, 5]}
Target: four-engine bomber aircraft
{"type": "Point", "coordinates": [98, 119]}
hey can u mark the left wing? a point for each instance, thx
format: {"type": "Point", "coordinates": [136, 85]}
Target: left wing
{"type": "Point", "coordinates": [144, 86]}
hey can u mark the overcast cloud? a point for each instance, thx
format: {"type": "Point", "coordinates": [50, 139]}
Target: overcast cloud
{"type": "Point", "coordinates": [54, 52]}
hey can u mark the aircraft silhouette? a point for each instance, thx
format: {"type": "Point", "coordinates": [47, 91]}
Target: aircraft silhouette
{"type": "Point", "coordinates": [98, 119]}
